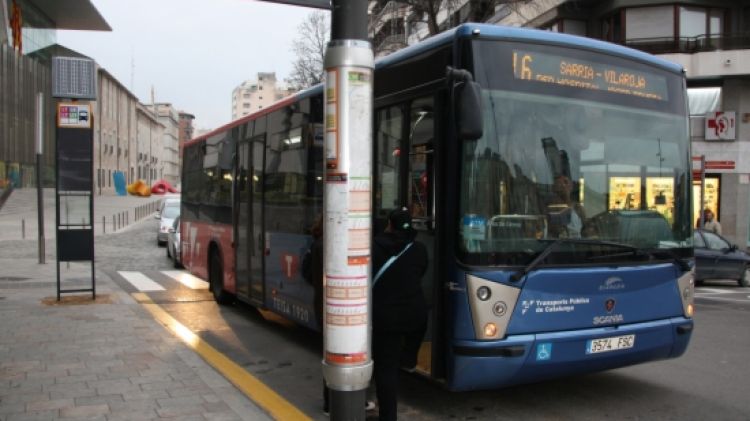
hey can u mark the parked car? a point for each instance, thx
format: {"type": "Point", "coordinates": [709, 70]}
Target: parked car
{"type": "Point", "coordinates": [173, 243]}
{"type": "Point", "coordinates": [717, 258]}
{"type": "Point", "coordinates": [169, 211]}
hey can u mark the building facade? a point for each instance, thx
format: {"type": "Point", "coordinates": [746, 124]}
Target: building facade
{"type": "Point", "coordinates": [168, 159]}
{"type": "Point", "coordinates": [149, 134]}
{"type": "Point", "coordinates": [27, 31]}
{"type": "Point", "coordinates": [186, 129]}
{"type": "Point", "coordinates": [709, 38]}
{"type": "Point", "coordinates": [254, 95]}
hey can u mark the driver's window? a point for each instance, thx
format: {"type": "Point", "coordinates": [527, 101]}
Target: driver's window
{"type": "Point", "coordinates": [715, 242]}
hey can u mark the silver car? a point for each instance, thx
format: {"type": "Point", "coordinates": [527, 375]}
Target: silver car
{"type": "Point", "coordinates": [173, 243]}
{"type": "Point", "coordinates": [169, 212]}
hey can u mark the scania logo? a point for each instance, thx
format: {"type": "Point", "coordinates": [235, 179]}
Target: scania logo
{"type": "Point", "coordinates": [609, 305]}
{"type": "Point", "coordinates": [613, 283]}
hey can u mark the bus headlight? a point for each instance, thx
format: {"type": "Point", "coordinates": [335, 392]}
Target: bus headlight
{"type": "Point", "coordinates": [491, 305]}
{"type": "Point", "coordinates": [484, 293]}
{"type": "Point", "coordinates": [686, 286]}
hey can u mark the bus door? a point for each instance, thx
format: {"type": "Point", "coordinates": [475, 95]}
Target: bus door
{"type": "Point", "coordinates": [248, 245]}
{"type": "Point", "coordinates": [404, 171]}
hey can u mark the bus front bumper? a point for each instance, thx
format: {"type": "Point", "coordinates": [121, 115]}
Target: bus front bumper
{"type": "Point", "coordinates": [536, 357]}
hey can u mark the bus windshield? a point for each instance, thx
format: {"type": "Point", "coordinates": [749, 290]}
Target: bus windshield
{"type": "Point", "coordinates": [570, 151]}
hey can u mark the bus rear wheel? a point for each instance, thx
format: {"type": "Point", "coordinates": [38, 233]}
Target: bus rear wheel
{"type": "Point", "coordinates": [216, 280]}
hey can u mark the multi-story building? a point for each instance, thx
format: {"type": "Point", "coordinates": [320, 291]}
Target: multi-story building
{"type": "Point", "coordinates": [254, 95]}
{"type": "Point", "coordinates": [149, 134]}
{"type": "Point", "coordinates": [186, 129]}
{"type": "Point", "coordinates": [709, 38]}
{"type": "Point", "coordinates": [25, 71]}
{"type": "Point", "coordinates": [114, 131]}
{"type": "Point", "coordinates": [168, 166]}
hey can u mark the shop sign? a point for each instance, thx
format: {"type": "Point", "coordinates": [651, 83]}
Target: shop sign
{"type": "Point", "coordinates": [721, 125]}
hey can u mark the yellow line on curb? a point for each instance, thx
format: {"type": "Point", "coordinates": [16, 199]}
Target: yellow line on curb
{"type": "Point", "coordinates": [278, 407]}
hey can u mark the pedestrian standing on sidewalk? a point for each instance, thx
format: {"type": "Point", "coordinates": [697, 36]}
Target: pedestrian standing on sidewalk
{"type": "Point", "coordinates": [399, 308]}
{"type": "Point", "coordinates": [710, 223]}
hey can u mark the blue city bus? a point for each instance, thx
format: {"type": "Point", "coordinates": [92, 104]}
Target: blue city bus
{"type": "Point", "coordinates": [555, 207]}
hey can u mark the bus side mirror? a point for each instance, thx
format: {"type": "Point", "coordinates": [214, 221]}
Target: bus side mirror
{"type": "Point", "coordinates": [468, 106]}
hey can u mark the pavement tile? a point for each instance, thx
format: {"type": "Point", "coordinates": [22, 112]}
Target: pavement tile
{"type": "Point", "coordinates": [148, 405]}
{"type": "Point", "coordinates": [87, 411]}
{"type": "Point", "coordinates": [49, 405]}
{"type": "Point", "coordinates": [200, 390]}
{"type": "Point", "coordinates": [138, 379]}
{"type": "Point", "coordinates": [75, 379]}
{"type": "Point", "coordinates": [46, 374]}
{"type": "Point", "coordinates": [11, 408]}
{"type": "Point", "coordinates": [22, 397]}
{"type": "Point", "coordinates": [216, 407]}
{"type": "Point", "coordinates": [222, 416]}
{"type": "Point", "coordinates": [140, 395]}
{"type": "Point", "coordinates": [181, 402]}
{"type": "Point", "coordinates": [96, 400]}
{"type": "Point", "coordinates": [164, 385]}
{"type": "Point", "coordinates": [183, 417]}
{"type": "Point", "coordinates": [34, 416]}
{"type": "Point", "coordinates": [28, 385]}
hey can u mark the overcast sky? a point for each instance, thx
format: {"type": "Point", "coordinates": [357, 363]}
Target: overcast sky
{"type": "Point", "coordinates": [193, 52]}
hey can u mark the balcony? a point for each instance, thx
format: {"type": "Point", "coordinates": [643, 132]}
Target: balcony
{"type": "Point", "coordinates": [391, 43]}
{"type": "Point", "coordinates": [691, 45]}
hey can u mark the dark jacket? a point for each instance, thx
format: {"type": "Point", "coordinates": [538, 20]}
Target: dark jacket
{"type": "Point", "coordinates": [398, 301]}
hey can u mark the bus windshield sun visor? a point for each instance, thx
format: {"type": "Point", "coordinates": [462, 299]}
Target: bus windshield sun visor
{"type": "Point", "coordinates": [649, 254]}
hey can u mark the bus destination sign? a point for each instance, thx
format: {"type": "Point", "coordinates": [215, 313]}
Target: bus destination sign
{"type": "Point", "coordinates": [584, 74]}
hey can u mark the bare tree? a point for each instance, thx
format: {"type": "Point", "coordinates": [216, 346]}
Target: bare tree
{"type": "Point", "coordinates": [472, 11]}
{"type": "Point", "coordinates": [310, 50]}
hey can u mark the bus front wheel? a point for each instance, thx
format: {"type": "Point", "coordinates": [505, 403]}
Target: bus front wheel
{"type": "Point", "coordinates": [216, 279]}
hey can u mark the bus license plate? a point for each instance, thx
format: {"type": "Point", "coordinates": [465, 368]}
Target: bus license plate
{"type": "Point", "coordinates": [595, 346]}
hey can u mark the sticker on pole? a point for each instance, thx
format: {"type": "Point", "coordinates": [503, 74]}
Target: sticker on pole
{"type": "Point", "coordinates": [74, 116]}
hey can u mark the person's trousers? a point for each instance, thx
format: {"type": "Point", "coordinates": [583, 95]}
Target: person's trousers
{"type": "Point", "coordinates": [386, 350]}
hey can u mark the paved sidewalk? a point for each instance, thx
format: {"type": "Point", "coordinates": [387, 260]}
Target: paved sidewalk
{"type": "Point", "coordinates": [107, 360]}
{"type": "Point", "coordinates": [21, 209]}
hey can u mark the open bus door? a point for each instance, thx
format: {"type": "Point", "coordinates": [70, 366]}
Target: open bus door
{"type": "Point", "coordinates": [404, 173]}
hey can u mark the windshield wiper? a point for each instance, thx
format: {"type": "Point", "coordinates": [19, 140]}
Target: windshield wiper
{"type": "Point", "coordinates": [632, 251]}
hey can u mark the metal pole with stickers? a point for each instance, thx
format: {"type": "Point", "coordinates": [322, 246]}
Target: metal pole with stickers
{"type": "Point", "coordinates": [349, 64]}
{"type": "Point", "coordinates": [73, 84]}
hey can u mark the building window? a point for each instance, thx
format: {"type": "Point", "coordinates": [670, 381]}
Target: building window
{"type": "Point", "coordinates": [692, 21]}
{"type": "Point", "coordinates": [704, 100]}
{"type": "Point", "coordinates": [568, 26]}
{"type": "Point", "coordinates": [649, 23]}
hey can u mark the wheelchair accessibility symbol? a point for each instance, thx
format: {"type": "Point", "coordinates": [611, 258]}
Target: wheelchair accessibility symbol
{"type": "Point", "coordinates": [543, 351]}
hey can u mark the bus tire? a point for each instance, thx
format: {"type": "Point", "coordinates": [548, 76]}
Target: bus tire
{"type": "Point", "coordinates": [216, 280]}
{"type": "Point", "coordinates": [744, 281]}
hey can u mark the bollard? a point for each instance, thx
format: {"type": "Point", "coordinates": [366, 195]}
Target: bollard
{"type": "Point", "coordinates": [23, 229]}
{"type": "Point", "coordinates": [104, 224]}
{"type": "Point", "coordinates": [114, 224]}
{"type": "Point", "coordinates": [127, 217]}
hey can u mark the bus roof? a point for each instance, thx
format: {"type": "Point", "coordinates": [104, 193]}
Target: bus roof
{"type": "Point", "coordinates": [473, 30]}
{"type": "Point", "coordinates": [486, 31]}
